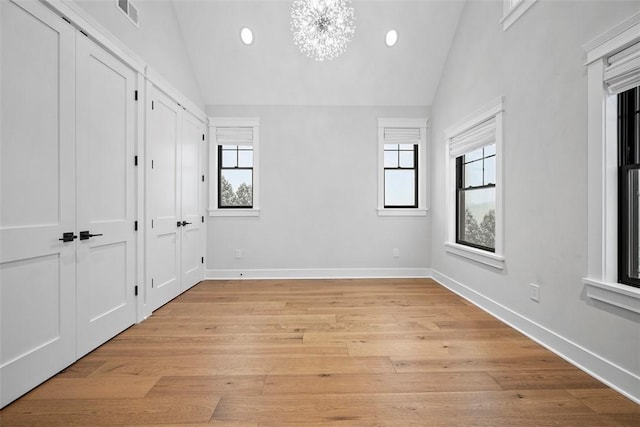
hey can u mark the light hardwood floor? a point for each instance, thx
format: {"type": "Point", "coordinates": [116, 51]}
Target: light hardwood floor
{"type": "Point", "coordinates": [322, 353]}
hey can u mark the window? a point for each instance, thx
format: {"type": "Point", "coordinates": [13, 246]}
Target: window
{"type": "Point", "coordinates": [233, 152]}
{"type": "Point", "coordinates": [476, 198]}
{"type": "Point", "coordinates": [629, 187]}
{"type": "Point", "coordinates": [402, 159]}
{"type": "Point", "coordinates": [514, 9]}
{"type": "Point", "coordinates": [235, 176]}
{"type": "Point", "coordinates": [474, 187]}
{"type": "Point", "coordinates": [613, 75]}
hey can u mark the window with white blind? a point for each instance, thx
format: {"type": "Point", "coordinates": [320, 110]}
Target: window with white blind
{"type": "Point", "coordinates": [474, 187]}
{"type": "Point", "coordinates": [613, 67]}
{"type": "Point", "coordinates": [401, 172]}
{"type": "Point", "coordinates": [233, 167]}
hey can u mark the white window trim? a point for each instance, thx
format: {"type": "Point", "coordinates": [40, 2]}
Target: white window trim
{"type": "Point", "coordinates": [512, 10]}
{"type": "Point", "coordinates": [215, 122]}
{"type": "Point", "coordinates": [422, 124]}
{"type": "Point", "coordinates": [602, 269]}
{"type": "Point", "coordinates": [492, 259]}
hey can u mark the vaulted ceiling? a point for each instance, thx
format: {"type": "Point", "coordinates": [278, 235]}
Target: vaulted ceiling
{"type": "Point", "coordinates": [272, 71]}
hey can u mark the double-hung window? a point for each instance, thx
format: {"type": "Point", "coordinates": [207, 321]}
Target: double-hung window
{"type": "Point", "coordinates": [402, 159]}
{"type": "Point", "coordinates": [629, 187]}
{"type": "Point", "coordinates": [474, 187]}
{"type": "Point", "coordinates": [613, 66]}
{"type": "Point", "coordinates": [234, 167]}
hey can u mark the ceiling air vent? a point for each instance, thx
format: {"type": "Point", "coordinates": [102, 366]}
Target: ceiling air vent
{"type": "Point", "coordinates": [128, 9]}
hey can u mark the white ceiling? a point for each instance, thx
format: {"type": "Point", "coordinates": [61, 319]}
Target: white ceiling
{"type": "Point", "coordinates": [272, 71]}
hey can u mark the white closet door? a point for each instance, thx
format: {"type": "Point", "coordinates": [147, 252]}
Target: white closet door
{"type": "Point", "coordinates": [192, 230]}
{"type": "Point", "coordinates": [106, 195]}
{"type": "Point", "coordinates": [163, 198]}
{"type": "Point", "coordinates": [37, 270]}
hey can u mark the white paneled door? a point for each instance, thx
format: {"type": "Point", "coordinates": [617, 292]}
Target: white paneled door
{"type": "Point", "coordinates": [38, 205]}
{"type": "Point", "coordinates": [163, 198]}
{"type": "Point", "coordinates": [174, 199]}
{"type": "Point", "coordinates": [106, 257]}
{"type": "Point", "coordinates": [192, 141]}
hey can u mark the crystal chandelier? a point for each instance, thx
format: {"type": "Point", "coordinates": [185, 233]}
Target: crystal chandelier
{"type": "Point", "coordinates": [322, 28]}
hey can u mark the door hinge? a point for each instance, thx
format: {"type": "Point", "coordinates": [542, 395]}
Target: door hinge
{"type": "Point", "coordinates": [203, 219]}
{"type": "Point", "coordinates": [151, 164]}
{"type": "Point", "coordinates": [151, 223]}
{"type": "Point", "coordinates": [135, 290]}
{"type": "Point", "coordinates": [203, 136]}
{"type": "Point", "coordinates": [135, 225]}
{"type": "Point", "coordinates": [202, 259]}
{"type": "Point", "coordinates": [152, 105]}
{"type": "Point", "coordinates": [135, 95]}
{"type": "Point", "coordinates": [84, 34]}
{"type": "Point", "coordinates": [152, 283]}
{"type": "Point", "coordinates": [202, 178]}
{"type": "Point", "coordinates": [135, 160]}
{"type": "Point", "coordinates": [65, 19]}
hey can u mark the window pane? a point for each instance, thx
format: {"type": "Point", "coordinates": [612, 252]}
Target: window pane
{"type": "Point", "coordinates": [245, 158]}
{"type": "Point", "coordinates": [236, 187]}
{"type": "Point", "coordinates": [473, 174]}
{"type": "Point", "coordinates": [399, 188]}
{"type": "Point", "coordinates": [406, 159]}
{"type": "Point", "coordinates": [473, 155]}
{"type": "Point", "coordinates": [390, 159]}
{"type": "Point", "coordinates": [490, 150]}
{"type": "Point", "coordinates": [406, 147]}
{"type": "Point", "coordinates": [229, 158]}
{"type": "Point", "coordinates": [490, 170]}
{"type": "Point", "coordinates": [634, 223]}
{"type": "Point", "coordinates": [477, 217]}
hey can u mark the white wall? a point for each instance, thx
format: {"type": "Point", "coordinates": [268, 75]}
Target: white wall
{"type": "Point", "coordinates": [158, 40]}
{"type": "Point", "coordinates": [538, 66]}
{"type": "Point", "coordinates": [318, 197]}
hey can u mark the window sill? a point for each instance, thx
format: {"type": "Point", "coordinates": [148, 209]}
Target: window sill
{"type": "Point", "coordinates": [234, 212]}
{"type": "Point", "coordinates": [477, 255]}
{"type": "Point", "coordinates": [402, 212]}
{"type": "Point", "coordinates": [515, 12]}
{"type": "Point", "coordinates": [622, 296]}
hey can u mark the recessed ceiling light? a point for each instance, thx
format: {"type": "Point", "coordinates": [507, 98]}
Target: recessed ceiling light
{"type": "Point", "coordinates": [391, 38]}
{"type": "Point", "coordinates": [246, 35]}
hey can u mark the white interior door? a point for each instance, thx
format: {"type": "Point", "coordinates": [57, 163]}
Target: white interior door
{"type": "Point", "coordinates": [37, 270]}
{"type": "Point", "coordinates": [163, 198]}
{"type": "Point", "coordinates": [106, 195]}
{"type": "Point", "coordinates": [192, 141]}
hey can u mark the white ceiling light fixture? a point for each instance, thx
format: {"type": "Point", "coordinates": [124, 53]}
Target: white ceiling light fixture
{"type": "Point", "coordinates": [246, 35]}
{"type": "Point", "coordinates": [391, 38]}
{"type": "Point", "coordinates": [322, 29]}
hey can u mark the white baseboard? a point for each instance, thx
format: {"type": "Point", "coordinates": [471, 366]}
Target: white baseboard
{"type": "Point", "coordinates": [319, 273]}
{"type": "Point", "coordinates": [619, 379]}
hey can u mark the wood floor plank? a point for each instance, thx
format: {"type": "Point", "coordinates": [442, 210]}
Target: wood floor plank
{"type": "Point", "coordinates": [337, 353]}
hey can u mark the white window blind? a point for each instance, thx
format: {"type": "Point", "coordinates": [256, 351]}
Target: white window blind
{"type": "Point", "coordinates": [401, 135]}
{"type": "Point", "coordinates": [478, 136]}
{"type": "Point", "coordinates": [623, 70]}
{"type": "Point", "coordinates": [234, 135]}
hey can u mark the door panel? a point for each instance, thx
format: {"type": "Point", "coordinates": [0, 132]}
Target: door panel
{"type": "Point", "coordinates": [106, 195]}
{"type": "Point", "coordinates": [37, 271]}
{"type": "Point", "coordinates": [192, 234]}
{"type": "Point", "coordinates": [163, 199]}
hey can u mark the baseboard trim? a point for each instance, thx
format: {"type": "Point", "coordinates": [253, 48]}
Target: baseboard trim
{"type": "Point", "coordinates": [616, 377]}
{"type": "Point", "coordinates": [319, 273]}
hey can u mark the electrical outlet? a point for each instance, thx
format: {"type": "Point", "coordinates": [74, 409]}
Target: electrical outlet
{"type": "Point", "coordinates": [238, 253]}
{"type": "Point", "coordinates": [534, 292]}
{"type": "Point", "coordinates": [396, 253]}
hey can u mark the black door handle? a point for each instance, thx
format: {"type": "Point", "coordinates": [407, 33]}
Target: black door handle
{"type": "Point", "coordinates": [68, 237]}
{"type": "Point", "coordinates": [85, 235]}
{"type": "Point", "coordinates": [179, 224]}
{"type": "Point", "coordinates": [185, 223]}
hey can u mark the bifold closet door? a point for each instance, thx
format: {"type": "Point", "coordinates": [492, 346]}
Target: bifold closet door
{"type": "Point", "coordinates": [106, 188]}
{"type": "Point", "coordinates": [37, 268]}
{"type": "Point", "coordinates": [163, 198]}
{"type": "Point", "coordinates": [192, 143]}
